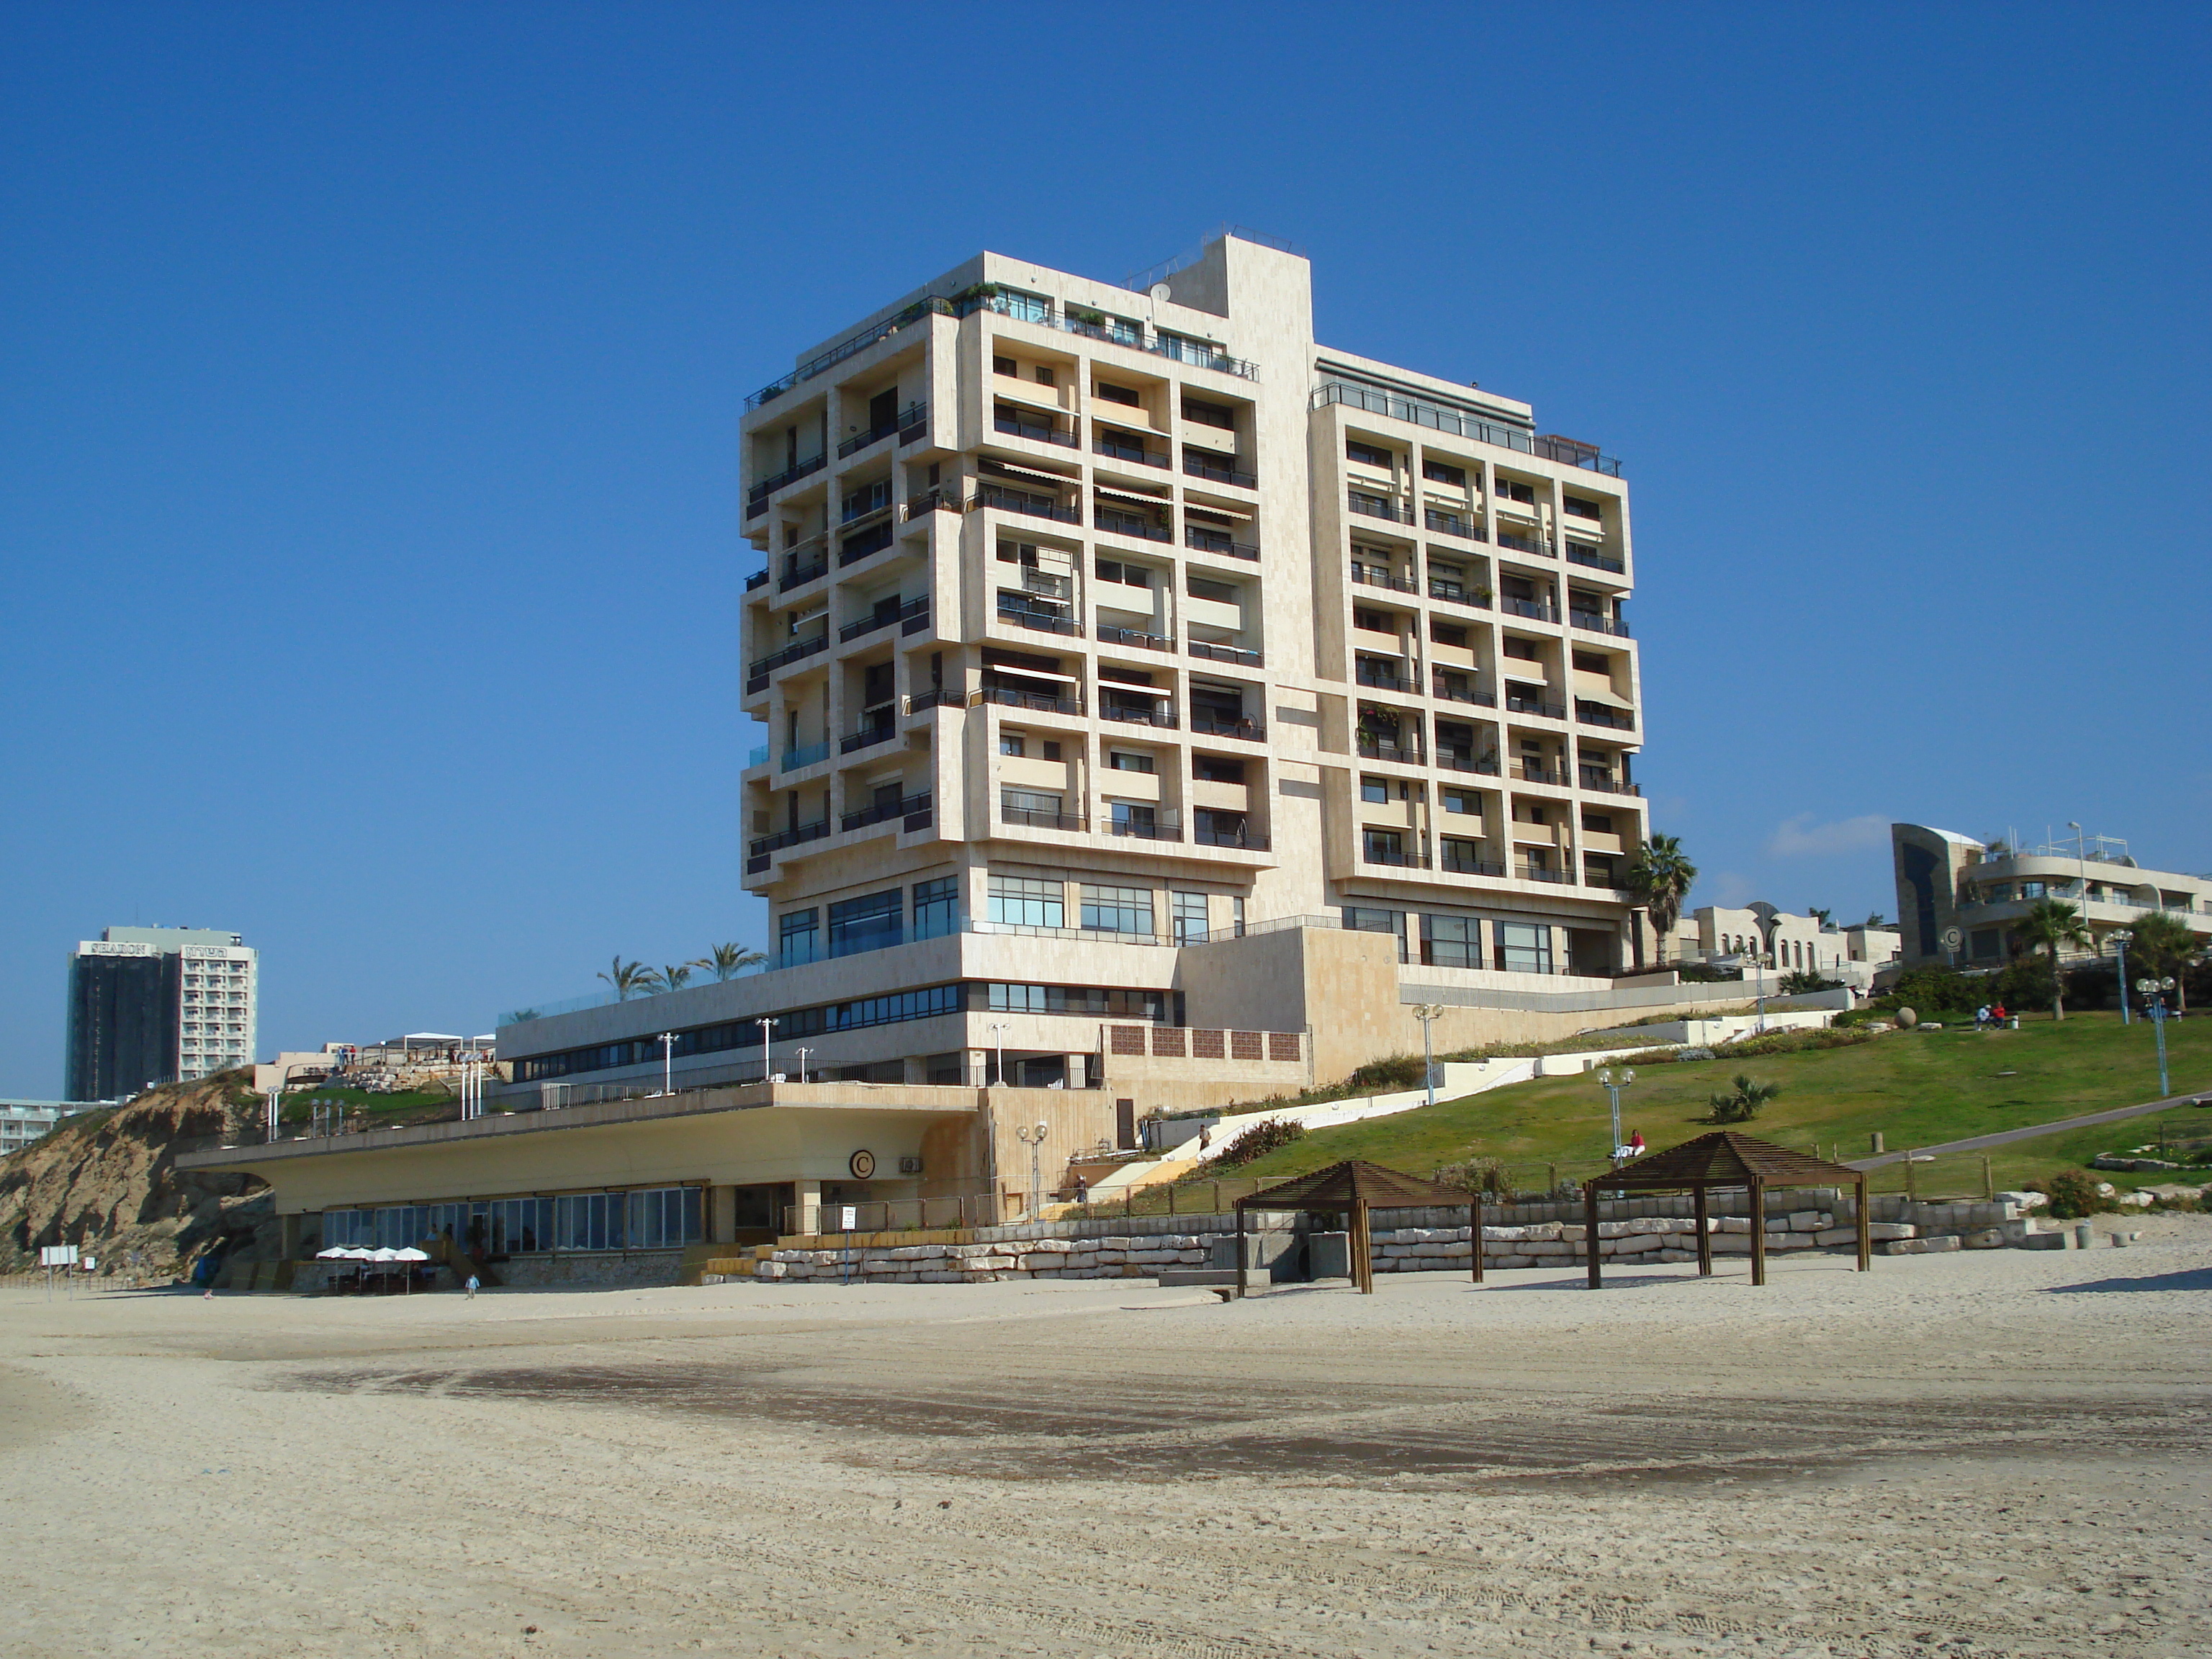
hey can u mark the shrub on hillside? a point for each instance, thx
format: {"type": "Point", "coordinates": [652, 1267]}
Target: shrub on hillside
{"type": "Point", "coordinates": [1477, 1175]}
{"type": "Point", "coordinates": [1259, 1141]}
{"type": "Point", "coordinates": [1792, 1043]}
{"type": "Point", "coordinates": [2072, 1194]}
{"type": "Point", "coordinates": [1805, 983]}
{"type": "Point", "coordinates": [1938, 992]}
{"type": "Point", "coordinates": [1398, 1072]}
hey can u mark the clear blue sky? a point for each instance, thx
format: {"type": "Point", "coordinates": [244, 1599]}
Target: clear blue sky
{"type": "Point", "coordinates": [368, 488]}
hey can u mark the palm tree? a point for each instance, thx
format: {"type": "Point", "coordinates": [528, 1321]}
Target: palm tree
{"type": "Point", "coordinates": [1660, 877]}
{"type": "Point", "coordinates": [674, 978]}
{"type": "Point", "coordinates": [1819, 915]}
{"type": "Point", "coordinates": [2164, 945]}
{"type": "Point", "coordinates": [1874, 919]}
{"type": "Point", "coordinates": [727, 962]}
{"type": "Point", "coordinates": [2052, 925]}
{"type": "Point", "coordinates": [1742, 1104]}
{"type": "Point", "coordinates": [628, 978]}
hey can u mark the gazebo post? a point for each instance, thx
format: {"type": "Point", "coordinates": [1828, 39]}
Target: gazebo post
{"type": "Point", "coordinates": [1704, 1234]}
{"type": "Point", "coordinates": [1590, 1232]}
{"type": "Point", "coordinates": [1475, 1230]}
{"type": "Point", "coordinates": [1363, 1266]}
{"type": "Point", "coordinates": [1757, 1230]}
{"type": "Point", "coordinates": [1866, 1245]}
{"type": "Point", "coordinates": [1242, 1238]}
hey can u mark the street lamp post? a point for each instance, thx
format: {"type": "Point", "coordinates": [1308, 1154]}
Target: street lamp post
{"type": "Point", "coordinates": [1613, 1086]}
{"type": "Point", "coordinates": [1033, 1137]}
{"type": "Point", "coordinates": [1429, 1014]}
{"type": "Point", "coordinates": [667, 1040]}
{"type": "Point", "coordinates": [2122, 938]}
{"type": "Point", "coordinates": [2082, 879]}
{"type": "Point", "coordinates": [996, 1028]}
{"type": "Point", "coordinates": [768, 1044]}
{"type": "Point", "coordinates": [803, 1053]}
{"type": "Point", "coordinates": [2154, 995]}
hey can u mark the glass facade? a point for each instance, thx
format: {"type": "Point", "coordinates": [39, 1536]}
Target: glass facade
{"type": "Point", "coordinates": [937, 907]}
{"type": "Point", "coordinates": [1022, 901]}
{"type": "Point", "coordinates": [648, 1218]}
{"type": "Point", "coordinates": [870, 923]}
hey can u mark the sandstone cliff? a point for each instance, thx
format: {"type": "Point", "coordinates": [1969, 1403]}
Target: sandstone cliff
{"type": "Point", "coordinates": [107, 1182]}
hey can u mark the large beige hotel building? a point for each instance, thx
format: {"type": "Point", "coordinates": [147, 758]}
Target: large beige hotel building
{"type": "Point", "coordinates": [1155, 694]}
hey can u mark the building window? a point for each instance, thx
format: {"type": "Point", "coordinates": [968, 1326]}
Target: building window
{"type": "Point", "coordinates": [1011, 742]}
{"type": "Point", "coordinates": [1117, 394]}
{"type": "Point", "coordinates": [1052, 751]}
{"type": "Point", "coordinates": [664, 1217]}
{"type": "Point", "coordinates": [1004, 366]}
{"type": "Point", "coordinates": [1045, 376]}
{"type": "Point", "coordinates": [1376, 790]}
{"type": "Point", "coordinates": [1117, 909]}
{"type": "Point", "coordinates": [1359, 919]}
{"type": "Point", "coordinates": [869, 923]}
{"type": "Point", "coordinates": [1524, 947]}
{"type": "Point", "coordinates": [1200, 587]}
{"type": "Point", "coordinates": [1219, 416]}
{"type": "Point", "coordinates": [1123, 760]}
{"type": "Point", "coordinates": [799, 939]}
{"type": "Point", "coordinates": [936, 907]}
{"type": "Point", "coordinates": [1598, 823]}
{"type": "Point", "coordinates": [1214, 768]}
{"type": "Point", "coordinates": [1447, 634]}
{"type": "Point", "coordinates": [1451, 941]}
{"type": "Point", "coordinates": [1366, 454]}
{"type": "Point", "coordinates": [1237, 915]}
{"type": "Point", "coordinates": [1190, 918]}
{"type": "Point", "coordinates": [1023, 902]}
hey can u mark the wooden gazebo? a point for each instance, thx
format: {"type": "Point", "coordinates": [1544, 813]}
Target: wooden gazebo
{"type": "Point", "coordinates": [1351, 1189]}
{"type": "Point", "coordinates": [1725, 1159]}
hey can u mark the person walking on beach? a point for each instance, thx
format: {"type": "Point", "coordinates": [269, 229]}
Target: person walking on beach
{"type": "Point", "coordinates": [472, 1287]}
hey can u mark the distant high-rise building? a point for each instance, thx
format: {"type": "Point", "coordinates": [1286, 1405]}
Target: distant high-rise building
{"type": "Point", "coordinates": [158, 1004]}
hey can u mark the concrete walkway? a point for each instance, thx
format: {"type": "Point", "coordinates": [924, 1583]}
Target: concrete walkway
{"type": "Point", "coordinates": [2004, 1137]}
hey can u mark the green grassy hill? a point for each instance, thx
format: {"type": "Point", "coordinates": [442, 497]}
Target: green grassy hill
{"type": "Point", "coordinates": [1917, 1088]}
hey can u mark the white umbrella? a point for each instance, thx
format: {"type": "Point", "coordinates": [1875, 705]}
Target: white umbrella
{"type": "Point", "coordinates": [411, 1254]}
{"type": "Point", "coordinates": [336, 1253]}
{"type": "Point", "coordinates": [385, 1254]}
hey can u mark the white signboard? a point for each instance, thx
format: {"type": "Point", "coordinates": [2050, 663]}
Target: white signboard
{"type": "Point", "coordinates": [848, 1218]}
{"type": "Point", "coordinates": [58, 1255]}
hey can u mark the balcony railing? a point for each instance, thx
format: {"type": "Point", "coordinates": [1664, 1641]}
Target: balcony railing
{"type": "Point", "coordinates": [757, 497]}
{"type": "Point", "coordinates": [1040, 702]}
{"type": "Point", "coordinates": [1144, 829]}
{"type": "Point", "coordinates": [799, 575]}
{"type": "Point", "coordinates": [861, 544]}
{"type": "Point", "coordinates": [764, 845]}
{"type": "Point", "coordinates": [1371, 854]}
{"type": "Point", "coordinates": [1034, 507]}
{"type": "Point", "coordinates": [1458, 593]}
{"type": "Point", "coordinates": [1248, 840]}
{"type": "Point", "coordinates": [1196, 464]}
{"type": "Point", "coordinates": [844, 349]}
{"type": "Point", "coordinates": [1438, 418]}
{"type": "Point", "coordinates": [1125, 449]}
{"type": "Point", "coordinates": [1513, 542]}
{"type": "Point", "coordinates": [1453, 524]}
{"type": "Point", "coordinates": [1538, 872]}
{"type": "Point", "coordinates": [1517, 703]}
{"type": "Point", "coordinates": [936, 697]}
{"type": "Point", "coordinates": [1468, 864]}
{"type": "Point", "coordinates": [944, 499]}
{"type": "Point", "coordinates": [1194, 353]}
{"type": "Point", "coordinates": [1463, 694]}
{"type": "Point", "coordinates": [1214, 541]}
{"type": "Point", "coordinates": [1590, 621]}
{"type": "Point", "coordinates": [793, 653]}
{"type": "Point", "coordinates": [879, 730]}
{"type": "Point", "coordinates": [1535, 610]}
{"type": "Point", "coordinates": [1212, 726]}
{"type": "Point", "coordinates": [1529, 772]}
{"type": "Point", "coordinates": [910, 419]}
{"type": "Point", "coordinates": [1383, 749]}
{"type": "Point", "coordinates": [912, 610]}
{"type": "Point", "coordinates": [758, 579]}
{"type": "Point", "coordinates": [1042, 431]}
{"type": "Point", "coordinates": [1606, 784]}
{"type": "Point", "coordinates": [1375, 576]}
{"type": "Point", "coordinates": [1045, 622]}
{"type": "Point", "coordinates": [1162, 718]}
{"type": "Point", "coordinates": [1128, 524]}
{"type": "Point", "coordinates": [1106, 634]}
{"type": "Point", "coordinates": [1231, 654]}
{"type": "Point", "coordinates": [1377, 507]}
{"type": "Point", "coordinates": [804, 755]}
{"type": "Point", "coordinates": [1458, 760]}
{"type": "Point", "coordinates": [913, 806]}
{"type": "Point", "coordinates": [1023, 817]}
{"type": "Point", "coordinates": [1384, 676]}
{"type": "Point", "coordinates": [1577, 554]}
{"type": "Point", "coordinates": [1597, 713]}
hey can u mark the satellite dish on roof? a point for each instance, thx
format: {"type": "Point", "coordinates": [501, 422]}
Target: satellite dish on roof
{"type": "Point", "coordinates": [1159, 290]}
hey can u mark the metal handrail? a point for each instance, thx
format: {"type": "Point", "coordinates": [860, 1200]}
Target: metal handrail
{"type": "Point", "coordinates": [790, 654]}
{"type": "Point", "coordinates": [1102, 444]}
{"type": "Point", "coordinates": [1043, 622]}
{"type": "Point", "coordinates": [802, 575]}
{"type": "Point", "coordinates": [767, 486]}
{"type": "Point", "coordinates": [1106, 634]}
{"type": "Point", "coordinates": [1590, 622]}
{"type": "Point", "coordinates": [913, 416]}
{"type": "Point", "coordinates": [1438, 418]}
{"type": "Point", "coordinates": [1535, 610]}
{"type": "Point", "coordinates": [866, 737]}
{"type": "Point", "coordinates": [1370, 854]}
{"type": "Point", "coordinates": [1230, 653]}
{"type": "Point", "coordinates": [1516, 704]}
{"type": "Point", "coordinates": [805, 754]}
{"type": "Point", "coordinates": [1537, 872]}
{"type": "Point", "coordinates": [899, 809]}
{"type": "Point", "coordinates": [1578, 553]}
{"type": "Point", "coordinates": [1042, 432]}
{"type": "Point", "coordinates": [1466, 866]}
{"type": "Point", "coordinates": [1372, 576]}
{"type": "Point", "coordinates": [1480, 699]}
{"type": "Point", "coordinates": [1007, 696]}
{"type": "Point", "coordinates": [1007, 500]}
{"type": "Point", "coordinates": [1596, 713]}
{"type": "Point", "coordinates": [1210, 541]}
{"type": "Point", "coordinates": [1250, 730]}
{"type": "Point", "coordinates": [1377, 507]}
{"type": "Point", "coordinates": [1456, 594]}
{"type": "Point", "coordinates": [844, 349]}
{"type": "Point", "coordinates": [1452, 761]}
{"type": "Point", "coordinates": [1196, 464]}
{"type": "Point", "coordinates": [804, 832]}
{"type": "Point", "coordinates": [1399, 754]}
{"type": "Point", "coordinates": [1162, 718]}
{"type": "Point", "coordinates": [1135, 528]}
{"type": "Point", "coordinates": [1021, 817]}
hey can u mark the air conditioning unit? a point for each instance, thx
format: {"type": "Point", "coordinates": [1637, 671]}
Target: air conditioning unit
{"type": "Point", "coordinates": [909, 1166]}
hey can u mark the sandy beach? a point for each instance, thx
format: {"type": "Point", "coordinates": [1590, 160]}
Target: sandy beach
{"type": "Point", "coordinates": [2001, 1452]}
